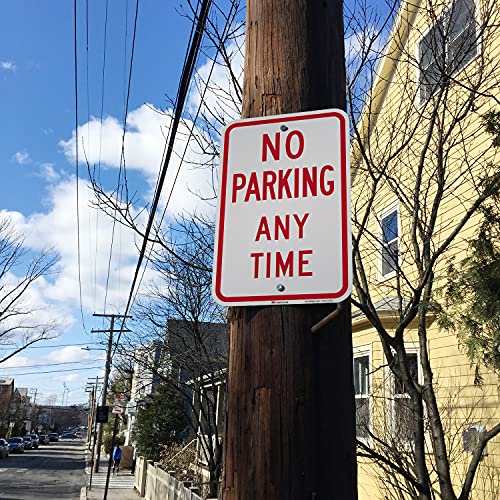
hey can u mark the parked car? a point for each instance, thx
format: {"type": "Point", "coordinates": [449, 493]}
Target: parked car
{"type": "Point", "coordinates": [16, 445]}
{"type": "Point", "coordinates": [53, 436]}
{"type": "Point", "coordinates": [28, 442]}
{"type": "Point", "coordinates": [44, 439]}
{"type": "Point", "coordinates": [67, 435]}
{"type": "Point", "coordinates": [35, 439]}
{"type": "Point", "coordinates": [4, 448]}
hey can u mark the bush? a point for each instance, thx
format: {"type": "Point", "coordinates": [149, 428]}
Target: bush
{"type": "Point", "coordinates": [159, 422]}
{"type": "Point", "coordinates": [179, 458]}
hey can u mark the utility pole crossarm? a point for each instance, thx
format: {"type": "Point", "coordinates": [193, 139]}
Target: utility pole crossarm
{"type": "Point", "coordinates": [106, 315]}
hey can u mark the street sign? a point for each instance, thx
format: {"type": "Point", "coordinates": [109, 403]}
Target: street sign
{"type": "Point", "coordinates": [102, 414]}
{"type": "Point", "coordinates": [283, 219]}
{"type": "Point", "coordinates": [119, 404]}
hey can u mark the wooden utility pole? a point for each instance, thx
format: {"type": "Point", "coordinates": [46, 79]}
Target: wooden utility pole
{"type": "Point", "coordinates": [291, 419]}
{"type": "Point", "coordinates": [107, 370]}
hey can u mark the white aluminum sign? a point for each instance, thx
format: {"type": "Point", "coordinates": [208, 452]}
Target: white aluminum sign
{"type": "Point", "coordinates": [119, 404]}
{"type": "Point", "coordinates": [283, 219]}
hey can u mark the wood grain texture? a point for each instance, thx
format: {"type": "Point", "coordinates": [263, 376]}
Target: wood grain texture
{"type": "Point", "coordinates": [290, 410]}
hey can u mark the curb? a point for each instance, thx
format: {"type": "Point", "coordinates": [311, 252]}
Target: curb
{"type": "Point", "coordinates": [83, 493]}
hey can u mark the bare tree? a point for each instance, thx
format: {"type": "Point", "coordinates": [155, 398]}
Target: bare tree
{"type": "Point", "coordinates": [416, 104]}
{"type": "Point", "coordinates": [180, 334]}
{"type": "Point", "coordinates": [19, 272]}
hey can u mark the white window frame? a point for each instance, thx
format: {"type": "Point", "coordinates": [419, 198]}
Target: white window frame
{"type": "Point", "coordinates": [361, 352]}
{"type": "Point", "coordinates": [410, 349]}
{"type": "Point", "coordinates": [477, 12]}
{"type": "Point", "coordinates": [393, 207]}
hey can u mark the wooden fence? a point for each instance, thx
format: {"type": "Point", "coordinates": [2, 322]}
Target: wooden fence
{"type": "Point", "coordinates": [153, 483]}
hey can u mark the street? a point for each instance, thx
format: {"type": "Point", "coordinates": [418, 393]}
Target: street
{"type": "Point", "coordinates": [55, 471]}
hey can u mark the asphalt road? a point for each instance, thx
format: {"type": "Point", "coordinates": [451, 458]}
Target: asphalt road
{"type": "Point", "coordinates": [55, 471]}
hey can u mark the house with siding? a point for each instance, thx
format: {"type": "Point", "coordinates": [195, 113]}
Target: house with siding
{"type": "Point", "coordinates": [420, 155]}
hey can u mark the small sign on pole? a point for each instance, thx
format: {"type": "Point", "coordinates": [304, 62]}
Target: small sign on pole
{"type": "Point", "coordinates": [283, 220]}
{"type": "Point", "coordinates": [119, 404]}
{"type": "Point", "coordinates": [102, 413]}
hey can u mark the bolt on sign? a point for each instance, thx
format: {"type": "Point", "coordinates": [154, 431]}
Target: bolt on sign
{"type": "Point", "coordinates": [283, 219]}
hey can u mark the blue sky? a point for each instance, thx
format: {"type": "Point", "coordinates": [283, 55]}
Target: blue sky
{"type": "Point", "coordinates": [37, 188]}
{"type": "Point", "coordinates": [37, 158]}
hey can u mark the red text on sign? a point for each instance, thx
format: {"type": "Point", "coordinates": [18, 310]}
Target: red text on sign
{"type": "Point", "coordinates": [288, 183]}
{"type": "Point", "coordinates": [282, 227]}
{"type": "Point", "coordinates": [275, 148]}
{"type": "Point", "coordinates": [277, 264]}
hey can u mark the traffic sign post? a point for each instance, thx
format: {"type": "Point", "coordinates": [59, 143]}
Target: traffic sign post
{"type": "Point", "coordinates": [119, 404]}
{"type": "Point", "coordinates": [284, 226]}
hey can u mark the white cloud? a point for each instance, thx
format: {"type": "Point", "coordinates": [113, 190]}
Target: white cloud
{"type": "Point", "coordinates": [221, 95]}
{"type": "Point", "coordinates": [69, 378]}
{"type": "Point", "coordinates": [48, 172]}
{"type": "Point", "coordinates": [22, 157]}
{"type": "Point", "coordinates": [15, 362]}
{"type": "Point", "coordinates": [144, 145]}
{"type": "Point", "coordinates": [8, 65]}
{"type": "Point", "coordinates": [73, 353]}
{"type": "Point", "coordinates": [57, 229]}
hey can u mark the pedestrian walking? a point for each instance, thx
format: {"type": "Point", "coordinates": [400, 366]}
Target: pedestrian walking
{"type": "Point", "coordinates": [117, 456]}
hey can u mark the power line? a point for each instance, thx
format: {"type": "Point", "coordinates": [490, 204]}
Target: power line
{"type": "Point", "coordinates": [61, 345]}
{"type": "Point", "coordinates": [100, 145]}
{"type": "Point", "coordinates": [226, 27]}
{"type": "Point", "coordinates": [52, 371]}
{"type": "Point", "coordinates": [53, 364]}
{"type": "Point", "coordinates": [77, 167]}
{"type": "Point", "coordinates": [186, 76]}
{"type": "Point", "coordinates": [122, 154]}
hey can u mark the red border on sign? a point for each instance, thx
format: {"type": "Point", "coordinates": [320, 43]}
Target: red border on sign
{"type": "Point", "coordinates": [344, 217]}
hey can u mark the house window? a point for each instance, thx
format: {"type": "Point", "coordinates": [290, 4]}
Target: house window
{"type": "Point", "coordinates": [404, 420]}
{"type": "Point", "coordinates": [447, 47]}
{"type": "Point", "coordinates": [390, 243]}
{"type": "Point", "coordinates": [362, 395]}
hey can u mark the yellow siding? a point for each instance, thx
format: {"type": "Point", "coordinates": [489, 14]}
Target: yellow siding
{"type": "Point", "coordinates": [394, 94]}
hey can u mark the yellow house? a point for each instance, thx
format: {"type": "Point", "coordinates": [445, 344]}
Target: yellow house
{"type": "Point", "coordinates": [420, 154]}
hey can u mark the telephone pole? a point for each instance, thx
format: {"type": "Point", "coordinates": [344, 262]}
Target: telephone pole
{"type": "Point", "coordinates": [92, 390]}
{"type": "Point", "coordinates": [290, 428]}
{"type": "Point", "coordinates": [107, 370]}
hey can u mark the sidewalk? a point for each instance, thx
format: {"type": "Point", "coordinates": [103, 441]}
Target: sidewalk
{"type": "Point", "coordinates": [121, 485]}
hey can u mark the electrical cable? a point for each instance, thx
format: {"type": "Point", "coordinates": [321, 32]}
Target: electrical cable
{"type": "Point", "coordinates": [52, 371]}
{"type": "Point", "coordinates": [100, 144]}
{"type": "Point", "coordinates": [122, 155]}
{"type": "Point", "coordinates": [53, 364]}
{"type": "Point", "coordinates": [183, 91]}
{"type": "Point", "coordinates": [92, 280]}
{"type": "Point", "coordinates": [60, 345]}
{"type": "Point", "coordinates": [77, 166]}
{"type": "Point", "coordinates": [148, 258]}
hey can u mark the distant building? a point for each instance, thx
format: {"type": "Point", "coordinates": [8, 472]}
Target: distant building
{"type": "Point", "coordinates": [190, 350]}
{"type": "Point", "coordinates": [59, 418]}
{"type": "Point", "coordinates": [144, 382]}
{"type": "Point", "coordinates": [6, 395]}
{"type": "Point", "coordinates": [21, 407]}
